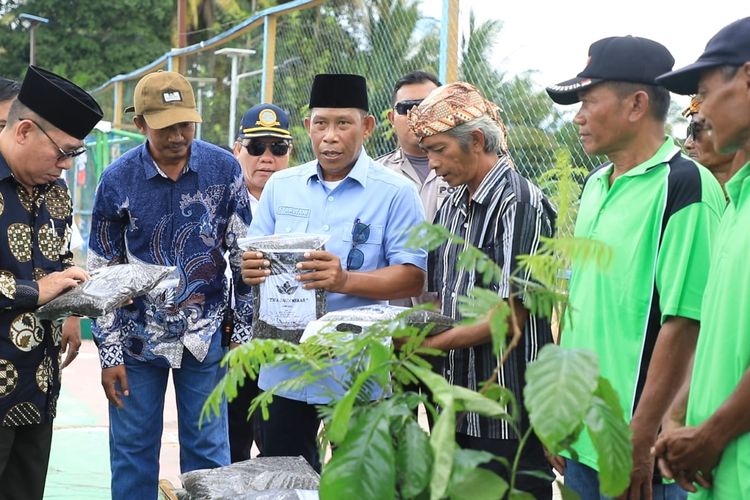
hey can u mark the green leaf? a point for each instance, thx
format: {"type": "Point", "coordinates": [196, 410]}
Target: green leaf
{"type": "Point", "coordinates": [479, 484]}
{"type": "Point", "coordinates": [499, 328]}
{"type": "Point", "coordinates": [443, 443]}
{"type": "Point", "coordinates": [611, 437]}
{"type": "Point", "coordinates": [464, 461]}
{"type": "Point", "coordinates": [364, 464]}
{"type": "Point", "coordinates": [468, 400]}
{"type": "Point", "coordinates": [566, 493]}
{"type": "Point", "coordinates": [413, 459]}
{"type": "Point", "coordinates": [559, 388]}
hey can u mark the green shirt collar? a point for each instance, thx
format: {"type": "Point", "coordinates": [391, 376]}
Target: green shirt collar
{"type": "Point", "coordinates": [736, 184]}
{"type": "Point", "coordinates": [664, 154]}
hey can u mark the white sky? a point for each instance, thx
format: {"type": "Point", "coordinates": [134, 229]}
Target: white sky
{"type": "Point", "coordinates": [553, 37]}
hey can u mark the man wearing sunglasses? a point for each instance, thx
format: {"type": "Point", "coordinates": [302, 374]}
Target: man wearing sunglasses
{"type": "Point", "coordinates": [263, 147]}
{"type": "Point", "coordinates": [367, 210]}
{"type": "Point", "coordinates": [699, 146]}
{"type": "Point", "coordinates": [408, 159]}
{"type": "Point", "coordinates": [174, 201]}
{"type": "Point", "coordinates": [46, 127]}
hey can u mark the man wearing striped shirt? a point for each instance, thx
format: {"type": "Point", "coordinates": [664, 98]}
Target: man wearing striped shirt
{"type": "Point", "coordinates": [498, 211]}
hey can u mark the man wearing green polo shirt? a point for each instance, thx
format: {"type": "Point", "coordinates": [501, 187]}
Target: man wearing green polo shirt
{"type": "Point", "coordinates": [713, 451]}
{"type": "Point", "coordinates": [657, 211]}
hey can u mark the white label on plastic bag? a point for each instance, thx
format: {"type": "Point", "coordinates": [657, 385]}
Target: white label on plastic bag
{"type": "Point", "coordinates": [286, 305]}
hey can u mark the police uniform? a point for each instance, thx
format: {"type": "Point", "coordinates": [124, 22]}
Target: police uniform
{"type": "Point", "coordinates": [433, 191]}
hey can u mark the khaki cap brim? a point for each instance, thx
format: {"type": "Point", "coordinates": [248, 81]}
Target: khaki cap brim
{"type": "Point", "coordinates": [168, 117]}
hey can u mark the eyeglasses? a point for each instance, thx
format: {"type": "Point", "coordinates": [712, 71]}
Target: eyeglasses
{"type": "Point", "coordinates": [360, 234]}
{"type": "Point", "coordinates": [403, 107]}
{"type": "Point", "coordinates": [257, 148]}
{"type": "Point", "coordinates": [693, 129]}
{"type": "Point", "coordinates": [62, 153]}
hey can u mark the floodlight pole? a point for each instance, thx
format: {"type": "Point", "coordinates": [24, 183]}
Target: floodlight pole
{"type": "Point", "coordinates": [234, 54]}
{"type": "Point", "coordinates": [34, 22]}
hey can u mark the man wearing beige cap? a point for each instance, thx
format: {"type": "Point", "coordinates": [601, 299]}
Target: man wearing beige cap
{"type": "Point", "coordinates": [46, 128]}
{"type": "Point", "coordinates": [180, 202]}
{"type": "Point", "coordinates": [498, 211]}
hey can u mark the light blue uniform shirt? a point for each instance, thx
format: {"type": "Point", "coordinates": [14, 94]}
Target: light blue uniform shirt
{"type": "Point", "coordinates": [295, 200]}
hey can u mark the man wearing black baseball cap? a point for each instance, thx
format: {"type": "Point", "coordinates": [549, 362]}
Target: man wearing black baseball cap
{"type": "Point", "coordinates": [713, 450]}
{"type": "Point", "coordinates": [46, 127]}
{"type": "Point", "coordinates": [656, 210]}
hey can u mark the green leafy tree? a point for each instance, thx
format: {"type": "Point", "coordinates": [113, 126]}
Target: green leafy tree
{"type": "Point", "coordinates": [381, 451]}
{"type": "Point", "coordinates": [88, 42]}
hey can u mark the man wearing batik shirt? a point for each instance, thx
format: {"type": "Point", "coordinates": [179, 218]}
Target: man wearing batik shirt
{"type": "Point", "coordinates": [498, 211]}
{"type": "Point", "coordinates": [172, 201]}
{"type": "Point", "coordinates": [46, 126]}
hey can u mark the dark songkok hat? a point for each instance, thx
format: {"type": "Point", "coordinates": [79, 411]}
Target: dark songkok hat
{"type": "Point", "coordinates": [339, 91]}
{"type": "Point", "coordinates": [59, 101]}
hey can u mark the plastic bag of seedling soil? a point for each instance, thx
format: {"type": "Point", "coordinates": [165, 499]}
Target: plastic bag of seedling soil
{"type": "Point", "coordinates": [108, 288]}
{"type": "Point", "coordinates": [357, 319]}
{"type": "Point", "coordinates": [282, 308]}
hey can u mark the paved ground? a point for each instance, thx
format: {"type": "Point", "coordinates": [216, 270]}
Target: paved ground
{"type": "Point", "coordinates": [79, 463]}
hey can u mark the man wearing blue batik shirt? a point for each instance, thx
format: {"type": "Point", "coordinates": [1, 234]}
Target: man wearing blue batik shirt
{"type": "Point", "coordinates": [367, 210]}
{"type": "Point", "coordinates": [177, 202]}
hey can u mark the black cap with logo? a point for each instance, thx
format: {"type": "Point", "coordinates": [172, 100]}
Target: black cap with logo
{"type": "Point", "coordinates": [616, 59]}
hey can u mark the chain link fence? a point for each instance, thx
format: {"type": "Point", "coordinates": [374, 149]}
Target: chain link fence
{"type": "Point", "coordinates": [281, 49]}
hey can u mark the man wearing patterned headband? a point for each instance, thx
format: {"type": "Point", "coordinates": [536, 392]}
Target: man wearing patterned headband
{"type": "Point", "coordinates": [46, 127]}
{"type": "Point", "coordinates": [498, 211]}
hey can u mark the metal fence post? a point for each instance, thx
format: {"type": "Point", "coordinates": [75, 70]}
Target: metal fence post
{"type": "Point", "coordinates": [449, 42]}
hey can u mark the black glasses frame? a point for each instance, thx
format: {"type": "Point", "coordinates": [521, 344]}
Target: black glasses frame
{"type": "Point", "coordinates": [257, 148]}
{"type": "Point", "coordinates": [360, 234]}
{"type": "Point", "coordinates": [403, 107]}
{"type": "Point", "coordinates": [62, 154]}
{"type": "Point", "coordinates": [693, 129]}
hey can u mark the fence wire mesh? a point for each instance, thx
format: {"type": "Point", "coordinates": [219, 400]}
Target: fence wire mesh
{"type": "Point", "coordinates": [382, 40]}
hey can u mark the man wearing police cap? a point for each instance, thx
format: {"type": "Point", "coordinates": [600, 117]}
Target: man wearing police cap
{"type": "Point", "coordinates": [178, 202]}
{"type": "Point", "coordinates": [46, 127]}
{"type": "Point", "coordinates": [262, 148]}
{"type": "Point", "coordinates": [367, 209]}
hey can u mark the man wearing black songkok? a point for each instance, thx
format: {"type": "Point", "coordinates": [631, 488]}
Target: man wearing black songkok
{"type": "Point", "coordinates": [367, 210]}
{"type": "Point", "coordinates": [45, 130]}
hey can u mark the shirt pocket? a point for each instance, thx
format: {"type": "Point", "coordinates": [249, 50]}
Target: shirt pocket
{"type": "Point", "coordinates": [290, 224]}
{"type": "Point", "coordinates": [371, 249]}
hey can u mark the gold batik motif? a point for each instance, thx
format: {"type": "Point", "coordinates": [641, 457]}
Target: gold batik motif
{"type": "Point", "coordinates": [26, 198]}
{"type": "Point", "coordinates": [39, 273]}
{"type": "Point", "coordinates": [22, 414]}
{"type": "Point", "coordinates": [8, 377]}
{"type": "Point", "coordinates": [26, 331]}
{"type": "Point", "coordinates": [56, 333]}
{"type": "Point", "coordinates": [19, 241]}
{"type": "Point", "coordinates": [58, 202]}
{"type": "Point", "coordinates": [49, 243]}
{"type": "Point", "coordinates": [44, 374]}
{"type": "Point", "coordinates": [2, 204]}
{"type": "Point", "coordinates": [8, 284]}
